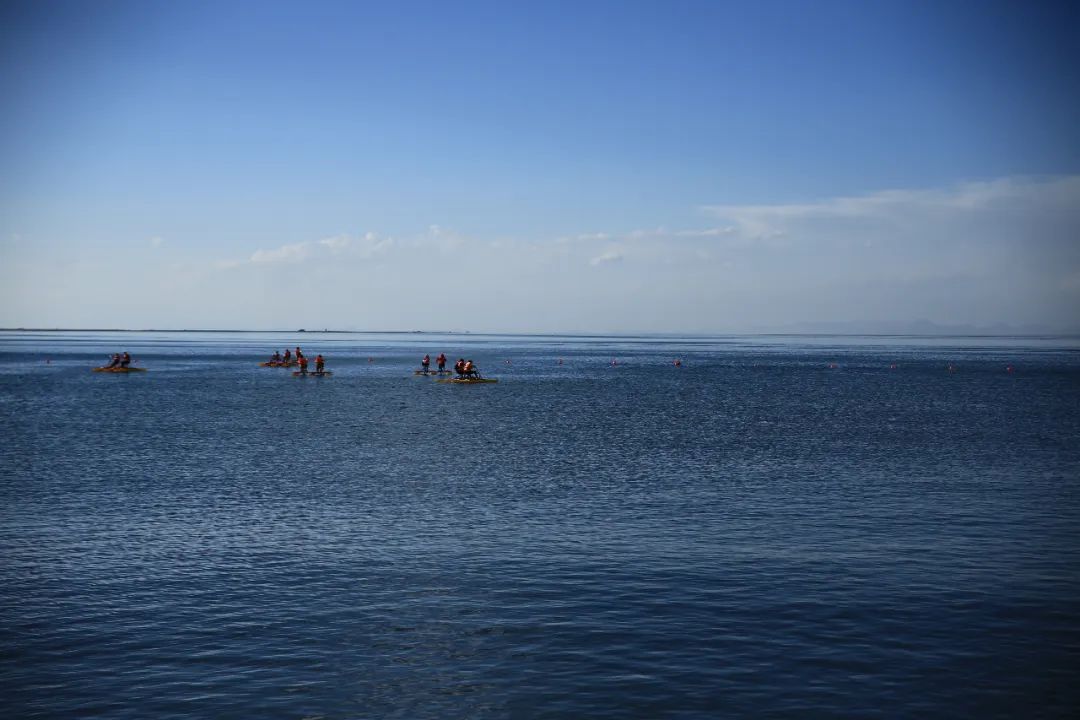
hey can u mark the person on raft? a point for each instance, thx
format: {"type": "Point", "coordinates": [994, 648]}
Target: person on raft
{"type": "Point", "coordinates": [115, 360]}
{"type": "Point", "coordinates": [425, 364]}
{"type": "Point", "coordinates": [125, 359]}
{"type": "Point", "coordinates": [459, 367]}
{"type": "Point", "coordinates": [318, 363]}
{"type": "Point", "coordinates": [276, 357]}
{"type": "Point", "coordinates": [470, 370]}
{"type": "Point", "coordinates": [288, 356]}
{"type": "Point", "coordinates": [303, 364]}
{"type": "Point", "coordinates": [441, 362]}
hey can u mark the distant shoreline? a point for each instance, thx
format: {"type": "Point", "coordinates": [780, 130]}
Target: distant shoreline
{"type": "Point", "coordinates": [197, 330]}
{"type": "Point", "coordinates": [941, 334]}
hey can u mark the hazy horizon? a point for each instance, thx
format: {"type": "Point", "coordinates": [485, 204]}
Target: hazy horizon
{"type": "Point", "coordinates": [914, 329]}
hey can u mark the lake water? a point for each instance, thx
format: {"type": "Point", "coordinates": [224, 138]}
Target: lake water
{"type": "Point", "coordinates": [781, 527]}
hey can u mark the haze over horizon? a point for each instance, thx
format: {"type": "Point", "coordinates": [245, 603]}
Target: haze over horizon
{"type": "Point", "coordinates": [604, 167]}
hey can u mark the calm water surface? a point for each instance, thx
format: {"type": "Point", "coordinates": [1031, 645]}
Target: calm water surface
{"type": "Point", "coordinates": [782, 527]}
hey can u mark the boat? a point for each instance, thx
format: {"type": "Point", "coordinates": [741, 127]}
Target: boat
{"type": "Point", "coordinates": [274, 363]}
{"type": "Point", "coordinates": [313, 373]}
{"type": "Point", "coordinates": [119, 369]}
{"type": "Point", "coordinates": [467, 380]}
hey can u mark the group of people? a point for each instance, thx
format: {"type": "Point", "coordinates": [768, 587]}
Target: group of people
{"type": "Point", "coordinates": [288, 358]}
{"type": "Point", "coordinates": [298, 359]}
{"type": "Point", "coordinates": [440, 361]}
{"type": "Point", "coordinates": [120, 360]}
{"type": "Point", "coordinates": [464, 368]}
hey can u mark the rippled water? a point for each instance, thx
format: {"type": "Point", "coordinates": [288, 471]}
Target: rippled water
{"type": "Point", "coordinates": [781, 527]}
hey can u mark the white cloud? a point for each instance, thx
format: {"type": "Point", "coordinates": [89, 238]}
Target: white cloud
{"type": "Point", "coordinates": [336, 243]}
{"type": "Point", "coordinates": [367, 246]}
{"type": "Point", "coordinates": [708, 232]}
{"type": "Point", "coordinates": [663, 233]}
{"type": "Point", "coordinates": [764, 222]}
{"type": "Point", "coordinates": [157, 241]}
{"type": "Point", "coordinates": [285, 253]}
{"type": "Point", "coordinates": [638, 234]}
{"type": "Point", "coordinates": [447, 241]}
{"type": "Point", "coordinates": [609, 256]}
{"type": "Point", "coordinates": [657, 233]}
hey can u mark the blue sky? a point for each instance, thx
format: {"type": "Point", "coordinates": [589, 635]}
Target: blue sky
{"type": "Point", "coordinates": [584, 166]}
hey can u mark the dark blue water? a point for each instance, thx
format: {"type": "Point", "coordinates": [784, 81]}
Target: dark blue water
{"type": "Point", "coordinates": [782, 527]}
